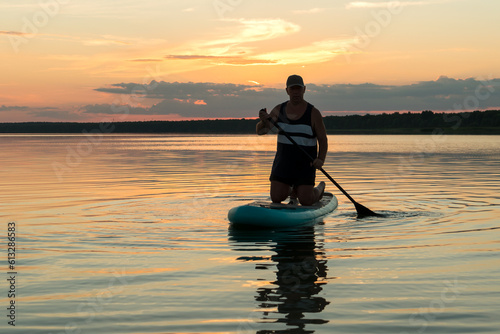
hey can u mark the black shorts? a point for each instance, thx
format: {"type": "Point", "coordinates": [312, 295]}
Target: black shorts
{"type": "Point", "coordinates": [297, 181]}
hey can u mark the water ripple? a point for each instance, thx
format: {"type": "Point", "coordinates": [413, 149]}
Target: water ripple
{"type": "Point", "coordinates": [137, 235]}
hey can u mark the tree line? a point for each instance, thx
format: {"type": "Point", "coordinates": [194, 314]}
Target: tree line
{"type": "Point", "coordinates": [427, 121]}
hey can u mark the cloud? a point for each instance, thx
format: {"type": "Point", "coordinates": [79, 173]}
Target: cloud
{"type": "Point", "coordinates": [235, 48]}
{"type": "Point", "coordinates": [317, 52]}
{"type": "Point", "coordinates": [14, 33]}
{"type": "Point", "coordinates": [104, 42]}
{"type": "Point", "coordinates": [215, 100]}
{"type": "Point", "coordinates": [46, 113]}
{"type": "Point", "coordinates": [442, 94]}
{"type": "Point", "coordinates": [56, 113]}
{"type": "Point", "coordinates": [231, 46]}
{"type": "Point", "coordinates": [146, 60]}
{"type": "Point", "coordinates": [364, 4]}
{"type": "Point", "coordinates": [13, 108]}
{"type": "Point", "coordinates": [253, 30]}
{"type": "Point", "coordinates": [391, 4]}
{"type": "Point", "coordinates": [223, 60]}
{"type": "Point", "coordinates": [114, 109]}
{"type": "Point", "coordinates": [167, 100]}
{"type": "Point", "coordinates": [11, 5]}
{"type": "Point", "coordinates": [190, 99]}
{"type": "Point", "coordinates": [177, 90]}
{"type": "Point", "coordinates": [309, 11]}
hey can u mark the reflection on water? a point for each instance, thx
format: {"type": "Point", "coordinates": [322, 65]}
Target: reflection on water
{"type": "Point", "coordinates": [148, 215]}
{"type": "Point", "coordinates": [301, 273]}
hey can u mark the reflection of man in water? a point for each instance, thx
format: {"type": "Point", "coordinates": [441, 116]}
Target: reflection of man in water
{"type": "Point", "coordinates": [299, 279]}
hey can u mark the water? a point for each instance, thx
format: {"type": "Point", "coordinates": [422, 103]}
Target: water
{"type": "Point", "coordinates": [128, 234]}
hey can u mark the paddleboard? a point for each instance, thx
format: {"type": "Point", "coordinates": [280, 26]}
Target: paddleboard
{"type": "Point", "coordinates": [274, 215]}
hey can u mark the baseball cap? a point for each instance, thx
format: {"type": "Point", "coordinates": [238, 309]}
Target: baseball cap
{"type": "Point", "coordinates": [294, 80]}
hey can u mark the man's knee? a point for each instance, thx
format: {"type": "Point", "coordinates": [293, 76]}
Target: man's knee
{"type": "Point", "coordinates": [279, 191]}
{"type": "Point", "coordinates": [278, 198]}
{"type": "Point", "coordinates": [306, 200]}
{"type": "Point", "coordinates": [305, 194]}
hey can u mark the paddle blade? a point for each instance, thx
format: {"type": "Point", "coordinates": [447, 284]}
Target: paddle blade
{"type": "Point", "coordinates": [363, 211]}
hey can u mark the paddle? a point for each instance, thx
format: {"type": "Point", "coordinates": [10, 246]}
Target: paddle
{"type": "Point", "coordinates": [362, 210]}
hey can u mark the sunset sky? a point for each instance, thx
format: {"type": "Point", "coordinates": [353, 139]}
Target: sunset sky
{"type": "Point", "coordinates": [75, 60]}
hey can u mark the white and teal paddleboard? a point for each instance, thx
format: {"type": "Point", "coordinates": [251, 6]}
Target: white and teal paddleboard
{"type": "Point", "coordinates": [267, 214]}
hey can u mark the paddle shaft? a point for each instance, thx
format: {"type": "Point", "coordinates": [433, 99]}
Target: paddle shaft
{"type": "Point", "coordinates": [362, 211]}
{"type": "Point", "coordinates": [310, 158]}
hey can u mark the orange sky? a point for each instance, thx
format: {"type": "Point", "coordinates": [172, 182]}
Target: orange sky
{"type": "Point", "coordinates": [56, 53]}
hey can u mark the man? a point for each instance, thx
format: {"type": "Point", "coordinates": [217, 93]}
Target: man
{"type": "Point", "coordinates": [292, 169]}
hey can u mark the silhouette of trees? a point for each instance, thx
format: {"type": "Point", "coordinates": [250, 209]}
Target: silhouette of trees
{"type": "Point", "coordinates": [427, 121]}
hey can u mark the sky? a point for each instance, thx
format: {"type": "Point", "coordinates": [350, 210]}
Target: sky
{"type": "Point", "coordinates": [107, 60]}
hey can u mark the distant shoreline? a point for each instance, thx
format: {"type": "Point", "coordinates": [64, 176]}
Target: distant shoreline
{"type": "Point", "coordinates": [427, 122]}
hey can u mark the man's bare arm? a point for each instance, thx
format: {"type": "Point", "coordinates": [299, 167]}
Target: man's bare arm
{"type": "Point", "coordinates": [264, 126]}
{"type": "Point", "coordinates": [320, 130]}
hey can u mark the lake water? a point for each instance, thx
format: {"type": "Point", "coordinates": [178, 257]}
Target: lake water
{"type": "Point", "coordinates": [129, 234]}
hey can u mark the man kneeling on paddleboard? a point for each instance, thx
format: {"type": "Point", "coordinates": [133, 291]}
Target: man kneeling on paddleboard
{"type": "Point", "coordinates": [296, 160]}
